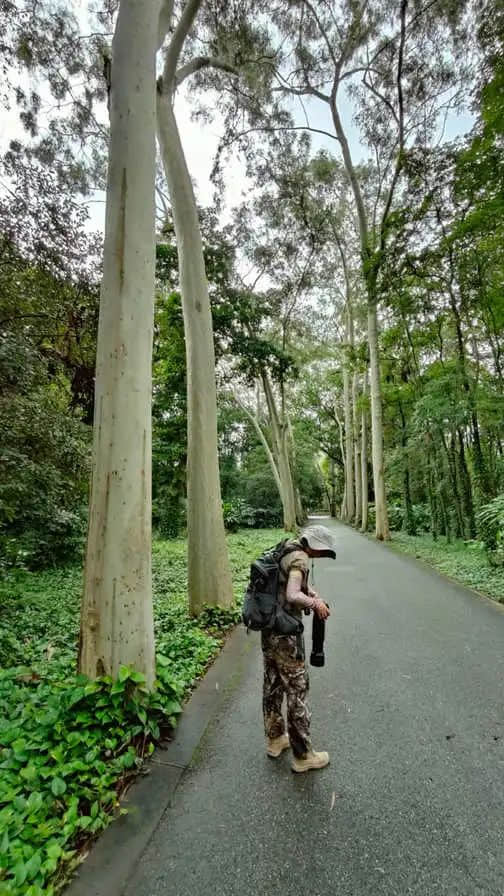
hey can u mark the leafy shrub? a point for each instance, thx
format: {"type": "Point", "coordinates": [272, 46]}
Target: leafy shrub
{"type": "Point", "coordinates": [65, 752]}
{"type": "Point", "coordinates": [60, 539]}
{"type": "Point", "coordinates": [231, 516]}
{"type": "Point", "coordinates": [169, 516]}
{"type": "Point", "coordinates": [240, 515]}
{"type": "Point", "coordinates": [396, 517]}
{"type": "Point", "coordinates": [267, 517]}
{"type": "Point", "coordinates": [490, 520]}
{"type": "Point", "coordinates": [421, 517]}
{"type": "Point", "coordinates": [43, 478]}
{"type": "Point", "coordinates": [220, 619]}
{"type": "Point", "coordinates": [68, 745]}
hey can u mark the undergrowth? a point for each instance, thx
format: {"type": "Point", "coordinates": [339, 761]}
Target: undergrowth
{"type": "Point", "coordinates": [69, 746]}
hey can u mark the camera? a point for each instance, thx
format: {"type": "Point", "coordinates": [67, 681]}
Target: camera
{"type": "Point", "coordinates": [317, 657]}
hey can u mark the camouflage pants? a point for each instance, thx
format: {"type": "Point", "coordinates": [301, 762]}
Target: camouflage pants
{"type": "Point", "coordinates": [285, 673]}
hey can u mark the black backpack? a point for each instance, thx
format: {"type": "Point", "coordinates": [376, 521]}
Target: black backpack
{"type": "Point", "coordinates": [261, 610]}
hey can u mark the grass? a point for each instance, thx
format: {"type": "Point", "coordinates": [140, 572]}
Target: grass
{"type": "Point", "coordinates": [465, 562]}
{"type": "Point", "coordinates": [68, 746]}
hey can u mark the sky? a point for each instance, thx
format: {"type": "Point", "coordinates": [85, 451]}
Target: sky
{"type": "Point", "coordinates": [201, 139]}
{"type": "Point", "coordinates": [200, 142]}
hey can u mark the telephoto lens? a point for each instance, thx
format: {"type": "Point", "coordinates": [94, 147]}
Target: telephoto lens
{"type": "Point", "coordinates": [317, 657]}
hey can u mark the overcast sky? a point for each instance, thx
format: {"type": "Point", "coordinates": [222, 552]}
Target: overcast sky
{"type": "Point", "coordinates": [200, 142]}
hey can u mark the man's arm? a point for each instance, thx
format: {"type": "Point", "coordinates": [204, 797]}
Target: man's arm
{"type": "Point", "coordinates": [295, 596]}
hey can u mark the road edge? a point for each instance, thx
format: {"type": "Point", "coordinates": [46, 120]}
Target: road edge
{"type": "Point", "coordinates": [419, 561]}
{"type": "Point", "coordinates": [113, 858]}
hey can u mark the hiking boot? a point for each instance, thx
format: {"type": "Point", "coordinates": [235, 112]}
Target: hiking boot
{"type": "Point", "coordinates": [277, 745]}
{"type": "Point", "coordinates": [311, 760]}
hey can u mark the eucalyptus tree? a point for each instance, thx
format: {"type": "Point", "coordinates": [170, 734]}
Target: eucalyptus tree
{"type": "Point", "coordinates": [116, 619]}
{"type": "Point", "coordinates": [309, 198]}
{"type": "Point", "coordinates": [232, 42]}
{"type": "Point", "coordinates": [399, 82]}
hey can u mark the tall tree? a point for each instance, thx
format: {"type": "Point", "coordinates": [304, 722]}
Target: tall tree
{"type": "Point", "coordinates": [379, 53]}
{"type": "Point", "coordinates": [117, 621]}
{"type": "Point", "coordinates": [209, 576]}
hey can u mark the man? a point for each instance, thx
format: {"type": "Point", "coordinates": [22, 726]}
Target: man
{"type": "Point", "coordinates": [284, 656]}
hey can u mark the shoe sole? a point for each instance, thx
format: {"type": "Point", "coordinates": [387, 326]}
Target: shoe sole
{"type": "Point", "coordinates": [311, 768]}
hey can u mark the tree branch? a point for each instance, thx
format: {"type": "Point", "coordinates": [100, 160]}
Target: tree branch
{"type": "Point", "coordinates": [332, 54]}
{"type": "Point", "coordinates": [165, 17]}
{"type": "Point", "coordinates": [174, 49]}
{"type": "Point", "coordinates": [199, 62]}
{"type": "Point", "coordinates": [306, 90]}
{"type": "Point", "coordinates": [400, 152]}
{"type": "Point", "coordinates": [271, 129]}
{"type": "Point", "coordinates": [381, 97]}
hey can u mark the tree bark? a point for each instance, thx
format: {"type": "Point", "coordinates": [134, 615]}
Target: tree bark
{"type": "Point", "coordinates": [116, 620]}
{"type": "Point", "coordinates": [480, 470]}
{"type": "Point", "coordinates": [343, 460]}
{"type": "Point", "coordinates": [300, 511]}
{"type": "Point", "coordinates": [364, 459]}
{"type": "Point", "coordinates": [452, 466]}
{"type": "Point", "coordinates": [409, 524]}
{"type": "Point", "coordinates": [467, 494]}
{"type": "Point", "coordinates": [279, 433]}
{"type": "Point", "coordinates": [382, 525]}
{"type": "Point", "coordinates": [333, 488]}
{"type": "Point", "coordinates": [349, 460]}
{"type": "Point", "coordinates": [209, 576]}
{"type": "Point", "coordinates": [357, 451]}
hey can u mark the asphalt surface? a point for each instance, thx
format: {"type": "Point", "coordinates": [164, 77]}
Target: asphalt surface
{"type": "Point", "coordinates": [410, 707]}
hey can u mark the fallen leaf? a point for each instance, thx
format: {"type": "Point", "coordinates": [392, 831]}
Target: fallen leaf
{"type": "Point", "coordinates": [216, 685]}
{"type": "Point", "coordinates": [50, 652]}
{"type": "Point", "coordinates": [333, 800]}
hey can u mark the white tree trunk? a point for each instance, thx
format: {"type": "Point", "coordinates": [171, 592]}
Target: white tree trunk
{"type": "Point", "coordinates": [281, 448]}
{"type": "Point", "coordinates": [364, 460]}
{"type": "Point", "coordinates": [264, 442]}
{"type": "Point", "coordinates": [116, 619]}
{"type": "Point", "coordinates": [209, 576]}
{"type": "Point", "coordinates": [357, 451]}
{"type": "Point", "coordinates": [382, 526]}
{"type": "Point", "coordinates": [382, 529]}
{"type": "Point", "coordinates": [349, 480]}
{"type": "Point", "coordinates": [289, 494]}
{"type": "Point", "coordinates": [343, 458]}
{"type": "Point", "coordinates": [300, 511]}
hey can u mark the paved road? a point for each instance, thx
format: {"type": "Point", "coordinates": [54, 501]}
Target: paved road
{"type": "Point", "coordinates": [410, 706]}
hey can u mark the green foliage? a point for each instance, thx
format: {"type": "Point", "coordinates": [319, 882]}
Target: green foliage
{"type": "Point", "coordinates": [490, 520]}
{"type": "Point", "coordinates": [465, 562]}
{"type": "Point", "coordinates": [396, 515]}
{"type": "Point", "coordinates": [48, 313]}
{"type": "Point", "coordinates": [66, 751]}
{"type": "Point", "coordinates": [240, 515]}
{"type": "Point", "coordinates": [67, 745]}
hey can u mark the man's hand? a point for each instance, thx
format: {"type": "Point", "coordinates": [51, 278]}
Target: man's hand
{"type": "Point", "coordinates": [321, 609]}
